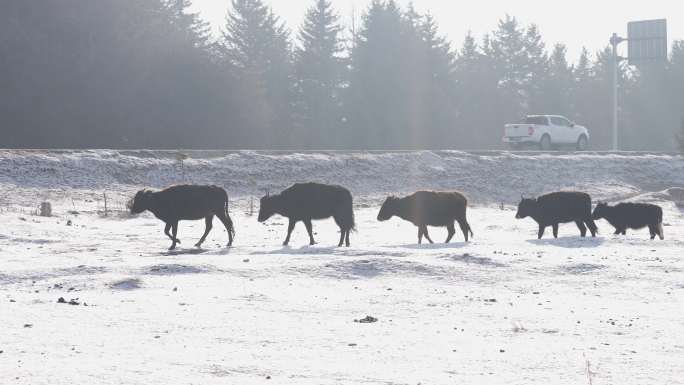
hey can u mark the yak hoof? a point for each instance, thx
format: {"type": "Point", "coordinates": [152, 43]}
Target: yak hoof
{"type": "Point", "coordinates": [173, 247]}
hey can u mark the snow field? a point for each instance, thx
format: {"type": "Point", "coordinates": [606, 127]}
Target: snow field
{"type": "Point", "coordinates": [502, 309]}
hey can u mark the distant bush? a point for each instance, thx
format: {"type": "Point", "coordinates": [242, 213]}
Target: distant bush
{"type": "Point", "coordinates": [680, 138]}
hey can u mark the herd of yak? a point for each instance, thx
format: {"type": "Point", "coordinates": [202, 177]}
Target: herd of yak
{"type": "Point", "coordinates": [309, 201]}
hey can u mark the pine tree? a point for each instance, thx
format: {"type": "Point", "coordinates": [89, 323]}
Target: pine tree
{"type": "Point", "coordinates": [675, 86]}
{"type": "Point", "coordinates": [320, 75]}
{"type": "Point", "coordinates": [557, 87]}
{"type": "Point", "coordinates": [401, 87]}
{"type": "Point", "coordinates": [377, 80]}
{"type": "Point", "coordinates": [582, 90]}
{"type": "Point", "coordinates": [476, 96]}
{"type": "Point", "coordinates": [680, 137]}
{"type": "Point", "coordinates": [438, 73]}
{"type": "Point", "coordinates": [109, 74]}
{"type": "Point", "coordinates": [599, 99]}
{"type": "Point", "coordinates": [507, 50]}
{"type": "Point", "coordinates": [256, 46]}
{"type": "Point", "coordinates": [535, 70]}
{"type": "Point", "coordinates": [196, 30]}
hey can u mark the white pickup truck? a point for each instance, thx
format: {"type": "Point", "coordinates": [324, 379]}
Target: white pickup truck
{"type": "Point", "coordinates": [546, 132]}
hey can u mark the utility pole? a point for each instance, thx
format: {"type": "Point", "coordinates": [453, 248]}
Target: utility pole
{"type": "Point", "coordinates": [647, 44]}
{"type": "Point", "coordinates": [615, 40]}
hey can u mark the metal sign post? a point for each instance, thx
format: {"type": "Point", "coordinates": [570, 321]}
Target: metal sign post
{"type": "Point", "coordinates": [647, 44]}
{"type": "Point", "coordinates": [615, 40]}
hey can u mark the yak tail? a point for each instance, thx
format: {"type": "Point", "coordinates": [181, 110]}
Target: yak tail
{"type": "Point", "coordinates": [229, 222]}
{"type": "Point", "coordinates": [353, 222]}
{"type": "Point", "coordinates": [661, 233]}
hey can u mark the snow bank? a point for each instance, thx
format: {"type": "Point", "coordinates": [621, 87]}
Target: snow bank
{"type": "Point", "coordinates": [487, 179]}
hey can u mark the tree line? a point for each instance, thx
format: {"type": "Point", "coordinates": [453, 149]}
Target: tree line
{"type": "Point", "coordinates": [132, 74]}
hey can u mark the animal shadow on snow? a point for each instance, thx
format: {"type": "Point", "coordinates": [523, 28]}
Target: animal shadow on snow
{"type": "Point", "coordinates": [431, 246]}
{"type": "Point", "coordinates": [193, 251]}
{"type": "Point", "coordinates": [176, 269]}
{"type": "Point", "coordinates": [365, 268]}
{"type": "Point", "coordinates": [304, 250]}
{"type": "Point", "coordinates": [471, 259]}
{"type": "Point", "coordinates": [568, 242]}
{"type": "Point", "coordinates": [126, 284]}
{"type": "Point", "coordinates": [580, 268]}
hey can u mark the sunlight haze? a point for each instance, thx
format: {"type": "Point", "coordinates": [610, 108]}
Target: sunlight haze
{"type": "Point", "coordinates": [578, 23]}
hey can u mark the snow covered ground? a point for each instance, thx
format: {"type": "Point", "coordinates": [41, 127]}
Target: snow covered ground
{"type": "Point", "coordinates": [503, 309]}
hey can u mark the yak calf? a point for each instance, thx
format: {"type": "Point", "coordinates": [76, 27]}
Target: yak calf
{"type": "Point", "coordinates": [632, 216]}
{"type": "Point", "coordinates": [428, 208]}
{"type": "Point", "coordinates": [186, 202]}
{"type": "Point", "coordinates": [559, 207]}
{"type": "Point", "coordinates": [307, 201]}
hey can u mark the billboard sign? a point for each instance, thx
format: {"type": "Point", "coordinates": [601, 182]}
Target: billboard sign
{"type": "Point", "coordinates": [647, 41]}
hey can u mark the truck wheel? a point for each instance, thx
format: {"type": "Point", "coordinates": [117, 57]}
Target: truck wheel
{"type": "Point", "coordinates": [582, 143]}
{"type": "Point", "coordinates": [545, 143]}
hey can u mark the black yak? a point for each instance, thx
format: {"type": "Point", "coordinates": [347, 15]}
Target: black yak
{"type": "Point", "coordinates": [632, 216]}
{"type": "Point", "coordinates": [186, 202]}
{"type": "Point", "coordinates": [559, 207]}
{"type": "Point", "coordinates": [429, 208]}
{"type": "Point", "coordinates": [307, 201]}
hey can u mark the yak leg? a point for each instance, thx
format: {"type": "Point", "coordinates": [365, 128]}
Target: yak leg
{"type": "Point", "coordinates": [452, 231]}
{"type": "Point", "coordinates": [592, 227]}
{"type": "Point", "coordinates": [582, 228]}
{"type": "Point", "coordinates": [425, 232]}
{"type": "Point", "coordinates": [555, 230]}
{"type": "Point", "coordinates": [420, 235]}
{"type": "Point", "coordinates": [617, 231]}
{"type": "Point", "coordinates": [342, 234]}
{"type": "Point", "coordinates": [309, 229]}
{"type": "Point", "coordinates": [661, 232]}
{"type": "Point", "coordinates": [345, 229]}
{"type": "Point", "coordinates": [228, 223]}
{"type": "Point", "coordinates": [653, 229]}
{"type": "Point", "coordinates": [465, 228]}
{"type": "Point", "coordinates": [540, 234]}
{"type": "Point", "coordinates": [624, 231]}
{"type": "Point", "coordinates": [207, 228]}
{"type": "Point", "coordinates": [290, 227]}
{"type": "Point", "coordinates": [167, 231]}
{"type": "Point", "coordinates": [174, 232]}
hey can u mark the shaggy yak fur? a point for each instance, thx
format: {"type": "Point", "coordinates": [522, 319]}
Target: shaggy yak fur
{"type": "Point", "coordinates": [429, 208]}
{"type": "Point", "coordinates": [632, 216]}
{"type": "Point", "coordinates": [186, 202]}
{"type": "Point", "coordinates": [559, 207]}
{"type": "Point", "coordinates": [308, 201]}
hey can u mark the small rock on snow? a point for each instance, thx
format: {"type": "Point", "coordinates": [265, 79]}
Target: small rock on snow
{"type": "Point", "coordinates": [366, 320]}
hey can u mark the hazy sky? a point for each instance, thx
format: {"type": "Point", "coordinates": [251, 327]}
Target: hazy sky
{"type": "Point", "coordinates": [576, 23]}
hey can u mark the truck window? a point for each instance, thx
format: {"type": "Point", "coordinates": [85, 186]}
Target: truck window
{"type": "Point", "coordinates": [538, 120]}
{"type": "Point", "coordinates": [560, 121]}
